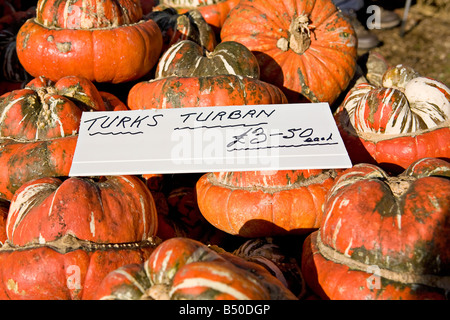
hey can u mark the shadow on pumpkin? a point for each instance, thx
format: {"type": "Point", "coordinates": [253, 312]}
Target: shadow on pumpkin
{"type": "Point", "coordinates": [391, 169]}
{"type": "Point", "coordinates": [355, 148]}
{"type": "Point", "coordinates": [444, 158]}
{"type": "Point", "coordinates": [273, 74]}
{"type": "Point", "coordinates": [263, 228]}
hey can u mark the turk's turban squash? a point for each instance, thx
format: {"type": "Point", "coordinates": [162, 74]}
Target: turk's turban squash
{"type": "Point", "coordinates": [383, 237]}
{"type": "Point", "coordinates": [259, 204]}
{"type": "Point", "coordinates": [307, 48]}
{"type": "Point", "coordinates": [65, 236]}
{"type": "Point", "coordinates": [103, 41]}
{"type": "Point", "coordinates": [39, 127]}
{"type": "Point", "coordinates": [182, 268]}
{"type": "Point", "coordinates": [187, 75]}
{"type": "Point", "coordinates": [404, 119]}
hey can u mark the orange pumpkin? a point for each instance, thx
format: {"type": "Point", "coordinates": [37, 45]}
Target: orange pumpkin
{"type": "Point", "coordinates": [67, 269]}
{"type": "Point", "coordinates": [401, 120]}
{"type": "Point", "coordinates": [39, 127]}
{"type": "Point", "coordinates": [64, 237]}
{"type": "Point", "coordinates": [383, 237]}
{"type": "Point", "coordinates": [221, 78]}
{"type": "Point", "coordinates": [112, 209]}
{"type": "Point", "coordinates": [102, 41]}
{"type": "Point", "coordinates": [255, 203]}
{"type": "Point", "coordinates": [307, 48]}
{"type": "Point", "coordinates": [182, 268]}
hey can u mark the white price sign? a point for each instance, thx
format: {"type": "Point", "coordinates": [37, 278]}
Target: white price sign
{"type": "Point", "coordinates": [209, 139]}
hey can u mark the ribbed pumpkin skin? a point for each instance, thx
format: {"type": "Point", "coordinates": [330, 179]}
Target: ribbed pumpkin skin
{"type": "Point", "coordinates": [87, 14]}
{"type": "Point", "coordinates": [116, 209]}
{"type": "Point", "coordinates": [393, 125]}
{"type": "Point", "coordinates": [99, 50]}
{"type": "Point", "coordinates": [189, 59]}
{"type": "Point", "coordinates": [44, 274]}
{"type": "Point", "coordinates": [397, 224]}
{"type": "Point", "coordinates": [182, 268]}
{"type": "Point", "coordinates": [179, 92]}
{"type": "Point", "coordinates": [255, 204]}
{"type": "Point", "coordinates": [39, 128]}
{"type": "Point", "coordinates": [318, 71]}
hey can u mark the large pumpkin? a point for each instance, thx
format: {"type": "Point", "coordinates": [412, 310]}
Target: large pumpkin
{"type": "Point", "coordinates": [226, 76]}
{"type": "Point", "coordinates": [65, 236]}
{"type": "Point", "coordinates": [113, 209]}
{"type": "Point", "coordinates": [39, 127]}
{"type": "Point", "coordinates": [383, 237]}
{"type": "Point", "coordinates": [404, 119]}
{"type": "Point", "coordinates": [307, 48]}
{"type": "Point", "coordinates": [105, 41]}
{"type": "Point", "coordinates": [259, 204]}
{"type": "Point", "coordinates": [182, 268]}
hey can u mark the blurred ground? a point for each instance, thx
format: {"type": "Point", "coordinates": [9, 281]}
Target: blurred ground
{"type": "Point", "coordinates": [425, 44]}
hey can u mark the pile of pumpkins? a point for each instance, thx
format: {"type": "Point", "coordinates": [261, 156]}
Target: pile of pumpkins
{"type": "Point", "coordinates": [377, 230]}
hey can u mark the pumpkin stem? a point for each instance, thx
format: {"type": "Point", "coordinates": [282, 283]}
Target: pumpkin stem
{"type": "Point", "coordinates": [299, 36]}
{"type": "Point", "coordinates": [43, 94]}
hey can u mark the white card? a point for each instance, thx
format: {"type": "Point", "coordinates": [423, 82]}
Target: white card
{"type": "Point", "coordinates": [209, 139]}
